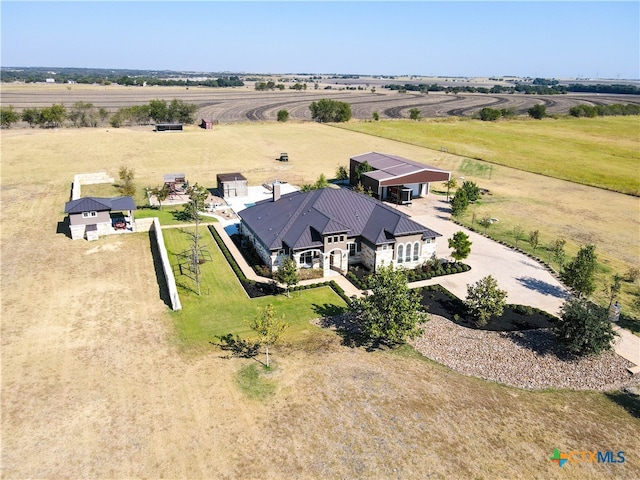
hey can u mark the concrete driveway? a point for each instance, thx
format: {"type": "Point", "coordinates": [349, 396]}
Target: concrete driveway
{"type": "Point", "coordinates": [526, 281]}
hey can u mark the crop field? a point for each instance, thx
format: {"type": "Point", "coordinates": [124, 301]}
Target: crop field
{"type": "Point", "coordinates": [99, 380]}
{"type": "Point", "coordinates": [241, 104]}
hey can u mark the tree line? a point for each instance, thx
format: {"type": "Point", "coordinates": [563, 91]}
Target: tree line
{"type": "Point", "coordinates": [527, 89]}
{"type": "Point", "coordinates": [84, 114]}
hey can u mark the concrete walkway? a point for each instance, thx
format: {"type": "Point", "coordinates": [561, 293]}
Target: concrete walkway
{"type": "Point", "coordinates": [628, 346]}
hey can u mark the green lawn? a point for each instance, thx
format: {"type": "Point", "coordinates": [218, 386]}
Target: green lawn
{"type": "Point", "coordinates": [602, 152]}
{"type": "Point", "coordinates": [166, 215]}
{"type": "Point", "coordinates": [224, 307]}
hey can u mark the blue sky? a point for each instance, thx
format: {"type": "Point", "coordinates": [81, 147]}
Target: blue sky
{"type": "Point", "coordinates": [453, 38]}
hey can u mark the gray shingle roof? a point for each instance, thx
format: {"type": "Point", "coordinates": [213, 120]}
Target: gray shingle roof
{"type": "Point", "coordinates": [300, 219]}
{"type": "Point", "coordinates": [98, 204]}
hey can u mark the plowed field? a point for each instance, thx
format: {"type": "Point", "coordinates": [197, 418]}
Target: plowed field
{"type": "Point", "coordinates": [245, 104]}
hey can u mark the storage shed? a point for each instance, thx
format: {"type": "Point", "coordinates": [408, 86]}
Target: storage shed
{"type": "Point", "coordinates": [232, 185]}
{"type": "Point", "coordinates": [206, 123]}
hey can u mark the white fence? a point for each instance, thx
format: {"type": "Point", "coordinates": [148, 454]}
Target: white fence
{"type": "Point", "coordinates": [166, 266]}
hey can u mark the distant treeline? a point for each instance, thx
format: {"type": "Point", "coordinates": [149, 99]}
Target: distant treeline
{"type": "Point", "coordinates": [533, 89]}
{"type": "Point", "coordinates": [604, 110]}
{"type": "Point", "coordinates": [121, 77]}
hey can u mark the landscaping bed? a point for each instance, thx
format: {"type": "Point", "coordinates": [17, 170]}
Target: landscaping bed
{"type": "Point", "coordinates": [359, 274]}
{"type": "Point", "coordinates": [439, 301]}
{"type": "Point", "coordinates": [259, 289]}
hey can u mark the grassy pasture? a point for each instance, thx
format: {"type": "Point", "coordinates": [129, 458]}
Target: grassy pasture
{"type": "Point", "coordinates": [93, 368]}
{"type": "Point", "coordinates": [601, 152]}
{"type": "Point", "coordinates": [557, 208]}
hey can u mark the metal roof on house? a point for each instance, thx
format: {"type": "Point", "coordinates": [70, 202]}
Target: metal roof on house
{"type": "Point", "coordinates": [98, 204]}
{"type": "Point", "coordinates": [300, 219]}
{"type": "Point", "coordinates": [387, 166]}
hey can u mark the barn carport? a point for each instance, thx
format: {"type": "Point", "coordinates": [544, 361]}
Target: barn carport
{"type": "Point", "coordinates": [394, 178]}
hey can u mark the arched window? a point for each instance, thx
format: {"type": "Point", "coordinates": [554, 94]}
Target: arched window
{"type": "Point", "coordinates": [407, 257]}
{"type": "Point", "coordinates": [400, 251]}
{"type": "Point", "coordinates": [416, 251]}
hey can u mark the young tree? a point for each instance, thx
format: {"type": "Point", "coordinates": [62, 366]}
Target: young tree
{"type": "Point", "coordinates": [471, 189]}
{"type": "Point", "coordinates": [538, 111]}
{"type": "Point", "coordinates": [579, 274]}
{"type": "Point", "coordinates": [414, 114]}
{"type": "Point", "coordinates": [161, 193]}
{"type": "Point", "coordinates": [584, 328]}
{"type": "Point", "coordinates": [485, 299]}
{"type": "Point", "coordinates": [485, 222]}
{"type": "Point", "coordinates": [376, 116]}
{"type": "Point", "coordinates": [450, 184]}
{"type": "Point", "coordinates": [342, 173]}
{"type": "Point", "coordinates": [198, 196]}
{"type": "Point", "coordinates": [461, 246]}
{"type": "Point", "coordinates": [391, 313]}
{"type": "Point", "coordinates": [534, 238]}
{"type": "Point", "coordinates": [612, 290]}
{"type": "Point", "coordinates": [126, 181]}
{"type": "Point", "coordinates": [321, 182]}
{"type": "Point", "coordinates": [459, 203]}
{"type": "Point", "coordinates": [557, 251]}
{"type": "Point", "coordinates": [518, 234]}
{"type": "Point", "coordinates": [283, 115]}
{"type": "Point", "coordinates": [287, 273]}
{"type": "Point", "coordinates": [268, 327]}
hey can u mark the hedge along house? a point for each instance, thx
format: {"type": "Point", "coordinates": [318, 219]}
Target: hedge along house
{"type": "Point", "coordinates": [393, 178]}
{"type": "Point", "coordinates": [91, 217]}
{"type": "Point", "coordinates": [333, 228]}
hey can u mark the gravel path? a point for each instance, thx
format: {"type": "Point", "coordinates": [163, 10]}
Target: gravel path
{"type": "Point", "coordinates": [526, 359]}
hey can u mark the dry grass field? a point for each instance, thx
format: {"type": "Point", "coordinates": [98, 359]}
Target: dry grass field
{"type": "Point", "coordinates": [95, 385]}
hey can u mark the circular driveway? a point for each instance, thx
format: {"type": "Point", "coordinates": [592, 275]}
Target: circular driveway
{"type": "Point", "coordinates": [526, 281]}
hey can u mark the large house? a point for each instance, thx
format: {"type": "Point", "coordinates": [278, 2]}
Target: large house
{"type": "Point", "coordinates": [91, 217]}
{"type": "Point", "coordinates": [393, 178]}
{"type": "Point", "coordinates": [332, 228]}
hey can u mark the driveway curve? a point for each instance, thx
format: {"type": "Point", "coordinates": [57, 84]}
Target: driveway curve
{"type": "Point", "coordinates": [526, 281]}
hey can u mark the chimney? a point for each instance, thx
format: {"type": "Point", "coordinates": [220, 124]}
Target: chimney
{"type": "Point", "coordinates": [276, 191]}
